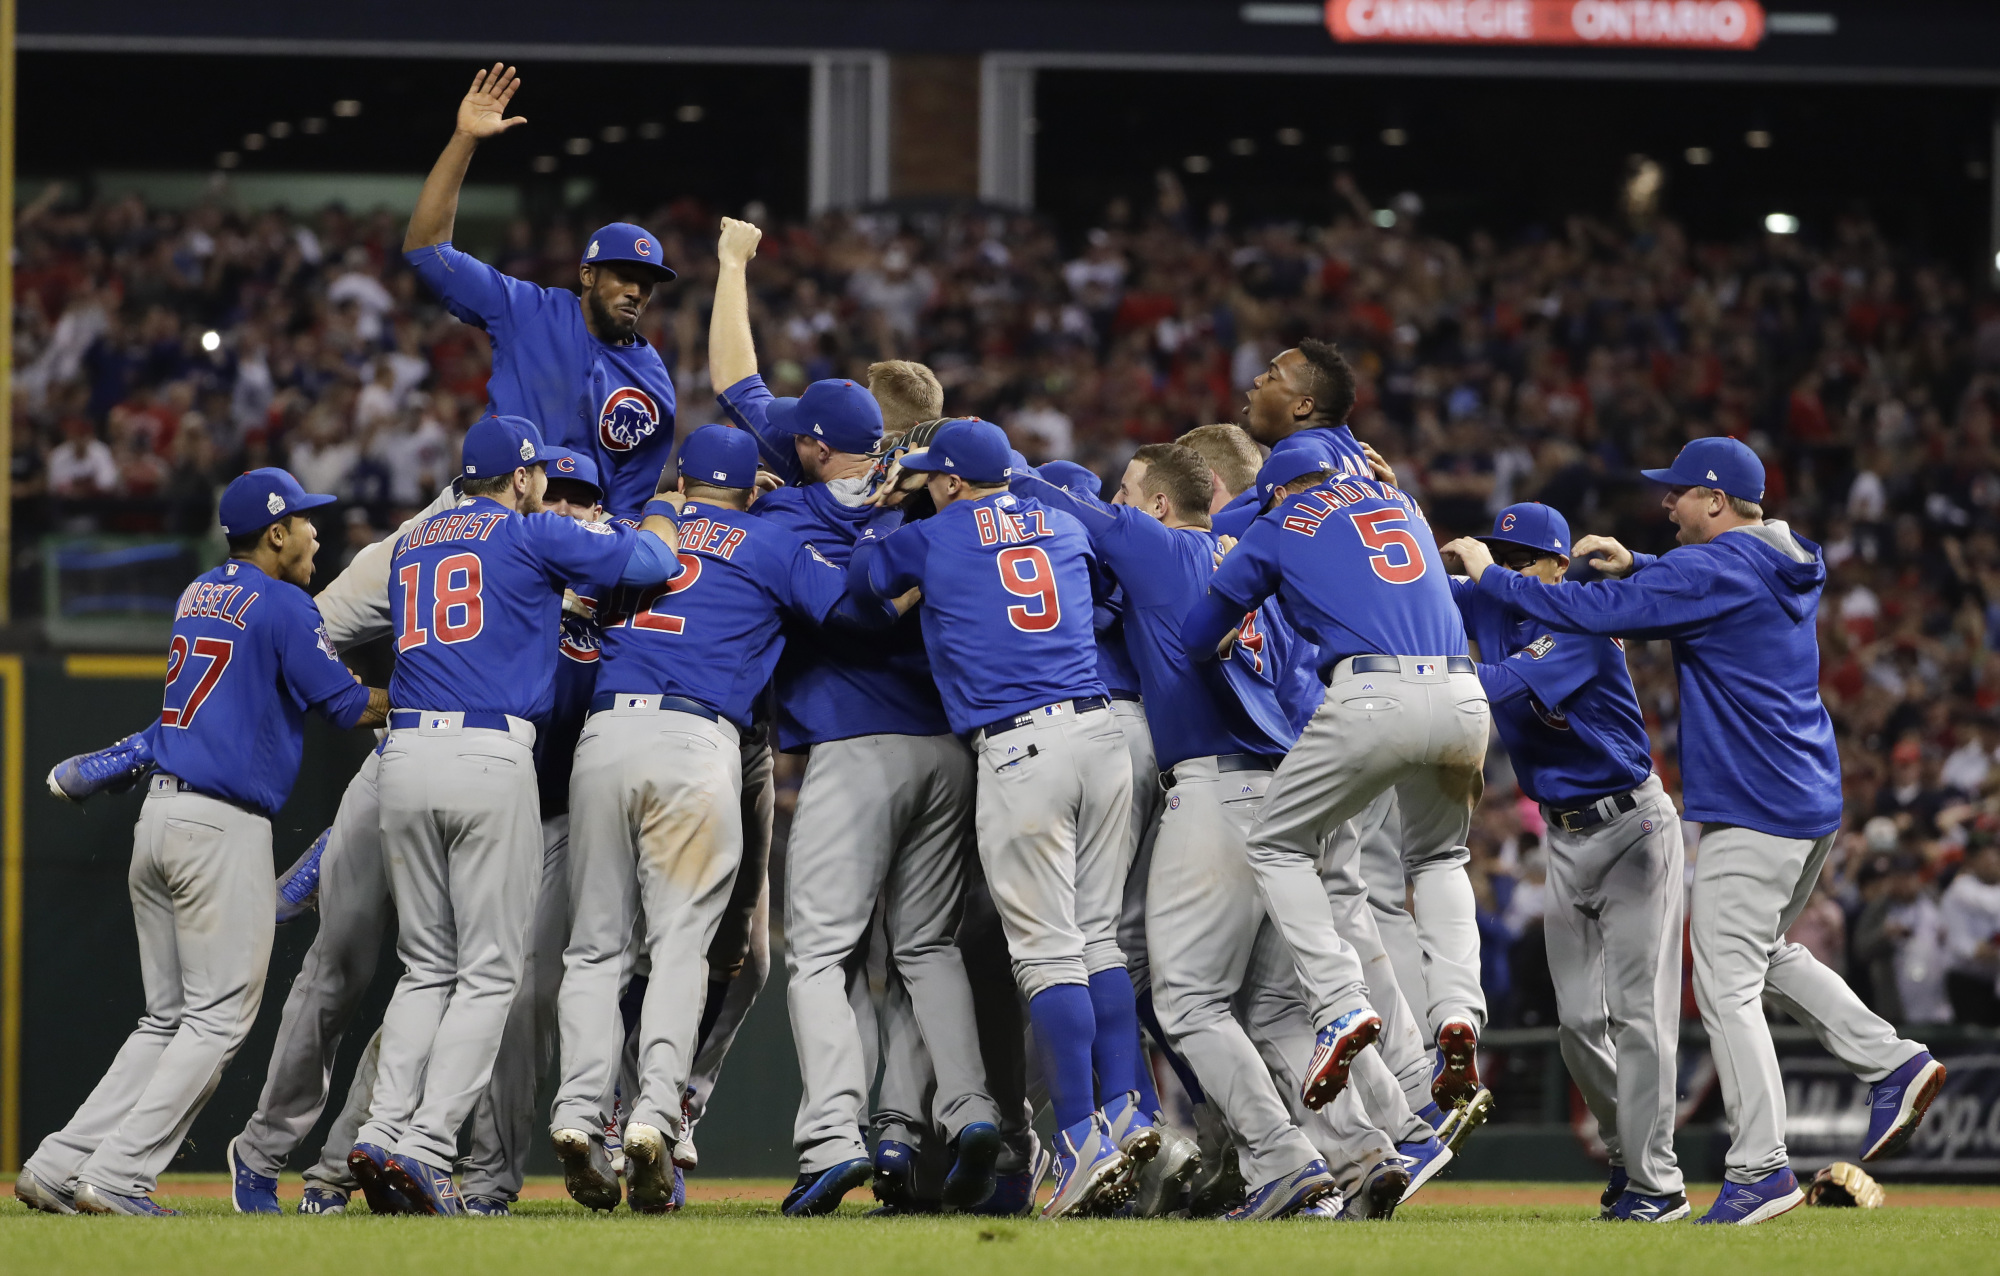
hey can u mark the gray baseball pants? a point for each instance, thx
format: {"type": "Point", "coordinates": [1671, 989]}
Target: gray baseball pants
{"type": "Point", "coordinates": [656, 825]}
{"type": "Point", "coordinates": [204, 901]}
{"type": "Point", "coordinates": [1146, 803]}
{"type": "Point", "coordinates": [1421, 733]}
{"type": "Point", "coordinates": [1054, 803]}
{"type": "Point", "coordinates": [883, 817]}
{"type": "Point", "coordinates": [462, 832]}
{"type": "Point", "coordinates": [1613, 928]}
{"type": "Point", "coordinates": [740, 953]}
{"type": "Point", "coordinates": [1380, 830]}
{"type": "Point", "coordinates": [1401, 1057]}
{"type": "Point", "coordinates": [1749, 888]}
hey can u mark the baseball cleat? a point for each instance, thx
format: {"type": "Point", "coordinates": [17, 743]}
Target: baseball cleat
{"type": "Point", "coordinates": [1456, 1075]}
{"type": "Point", "coordinates": [249, 1191]}
{"type": "Point", "coordinates": [1759, 1202]}
{"type": "Point", "coordinates": [1089, 1167]}
{"type": "Point", "coordinates": [111, 770]}
{"type": "Point", "coordinates": [1162, 1184]}
{"type": "Point", "coordinates": [1426, 1158]}
{"type": "Point", "coordinates": [369, 1165]}
{"type": "Point", "coordinates": [1133, 1129]}
{"type": "Point", "coordinates": [91, 1199]}
{"type": "Point", "coordinates": [895, 1164]}
{"type": "Point", "coordinates": [37, 1193]}
{"type": "Point", "coordinates": [1285, 1195]}
{"type": "Point", "coordinates": [1635, 1207]}
{"type": "Point", "coordinates": [1612, 1191]}
{"type": "Point", "coordinates": [587, 1170]}
{"type": "Point", "coordinates": [1333, 1054]}
{"type": "Point", "coordinates": [488, 1207]}
{"type": "Point", "coordinates": [1897, 1103]}
{"type": "Point", "coordinates": [972, 1179]}
{"type": "Point", "coordinates": [298, 886]}
{"type": "Point", "coordinates": [1433, 1116]}
{"type": "Point", "coordinates": [1014, 1191]}
{"type": "Point", "coordinates": [649, 1167]}
{"type": "Point", "coordinates": [428, 1188]}
{"type": "Point", "coordinates": [323, 1200]}
{"type": "Point", "coordinates": [686, 1155]}
{"type": "Point", "coordinates": [1331, 1208]}
{"type": "Point", "coordinates": [1464, 1119]}
{"type": "Point", "coordinates": [1380, 1191]}
{"type": "Point", "coordinates": [819, 1194]}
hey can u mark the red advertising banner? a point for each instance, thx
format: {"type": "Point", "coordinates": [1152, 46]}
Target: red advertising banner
{"type": "Point", "coordinates": [1675, 24]}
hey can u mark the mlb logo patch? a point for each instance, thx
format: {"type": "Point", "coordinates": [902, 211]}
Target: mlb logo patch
{"type": "Point", "coordinates": [440, 722]}
{"type": "Point", "coordinates": [1425, 667]}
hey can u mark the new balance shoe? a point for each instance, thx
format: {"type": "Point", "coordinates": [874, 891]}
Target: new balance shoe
{"type": "Point", "coordinates": [649, 1169]}
{"type": "Point", "coordinates": [1433, 1116]}
{"type": "Point", "coordinates": [1613, 1190]}
{"type": "Point", "coordinates": [1759, 1202]}
{"type": "Point", "coordinates": [1088, 1169]}
{"type": "Point", "coordinates": [1285, 1195]}
{"type": "Point", "coordinates": [111, 770]}
{"type": "Point", "coordinates": [1426, 1157]}
{"type": "Point", "coordinates": [819, 1193]}
{"type": "Point", "coordinates": [1463, 1119]}
{"type": "Point", "coordinates": [249, 1191]}
{"type": "Point", "coordinates": [1162, 1184]}
{"type": "Point", "coordinates": [323, 1200]}
{"type": "Point", "coordinates": [428, 1188]}
{"type": "Point", "coordinates": [487, 1207]}
{"type": "Point", "coordinates": [1380, 1191]}
{"type": "Point", "coordinates": [587, 1169]}
{"type": "Point", "coordinates": [91, 1199]}
{"type": "Point", "coordinates": [369, 1164]}
{"type": "Point", "coordinates": [1897, 1103]}
{"type": "Point", "coordinates": [1455, 1076]}
{"type": "Point", "coordinates": [1334, 1051]}
{"type": "Point", "coordinates": [298, 886]}
{"type": "Point", "coordinates": [1635, 1207]}
{"type": "Point", "coordinates": [972, 1179]}
{"type": "Point", "coordinates": [37, 1193]}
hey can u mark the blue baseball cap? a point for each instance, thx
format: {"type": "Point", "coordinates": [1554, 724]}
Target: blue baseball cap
{"type": "Point", "coordinates": [259, 498]}
{"type": "Point", "coordinates": [574, 467]}
{"type": "Point", "coordinates": [1531, 526]}
{"type": "Point", "coordinates": [497, 445]}
{"type": "Point", "coordinates": [1717, 462]}
{"type": "Point", "coordinates": [1287, 464]}
{"type": "Point", "coordinates": [721, 456]}
{"type": "Point", "coordinates": [975, 450]}
{"type": "Point", "coordinates": [622, 241]}
{"type": "Point", "coordinates": [840, 414]}
{"type": "Point", "coordinates": [1072, 477]}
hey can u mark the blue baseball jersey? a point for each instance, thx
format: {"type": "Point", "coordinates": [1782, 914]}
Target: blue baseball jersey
{"type": "Point", "coordinates": [1357, 570]}
{"type": "Point", "coordinates": [1114, 659]}
{"type": "Point", "coordinates": [1193, 709]}
{"type": "Point", "coordinates": [712, 634]}
{"type": "Point", "coordinates": [1563, 702]}
{"type": "Point", "coordinates": [613, 403]}
{"type": "Point", "coordinates": [1335, 444]}
{"type": "Point", "coordinates": [248, 658]}
{"type": "Point", "coordinates": [1008, 603]}
{"type": "Point", "coordinates": [475, 600]}
{"type": "Point", "coordinates": [748, 404]}
{"type": "Point", "coordinates": [578, 654]}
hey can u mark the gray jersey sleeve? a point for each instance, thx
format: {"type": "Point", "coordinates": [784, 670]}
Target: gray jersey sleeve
{"type": "Point", "coordinates": [355, 605]}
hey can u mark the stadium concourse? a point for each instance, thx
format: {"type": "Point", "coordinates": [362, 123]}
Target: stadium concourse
{"type": "Point", "coordinates": [162, 352]}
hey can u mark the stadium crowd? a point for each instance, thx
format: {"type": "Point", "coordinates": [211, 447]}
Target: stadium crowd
{"type": "Point", "coordinates": [159, 353]}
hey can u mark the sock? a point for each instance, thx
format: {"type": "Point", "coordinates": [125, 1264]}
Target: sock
{"type": "Point", "coordinates": [1115, 1048]}
{"type": "Point", "coordinates": [1180, 1066]}
{"type": "Point", "coordinates": [1064, 1027]}
{"type": "Point", "coordinates": [711, 1011]}
{"type": "Point", "coordinates": [1149, 1097]}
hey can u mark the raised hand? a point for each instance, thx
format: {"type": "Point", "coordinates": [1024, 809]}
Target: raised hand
{"type": "Point", "coordinates": [1471, 555]}
{"type": "Point", "coordinates": [1605, 554]}
{"type": "Point", "coordinates": [738, 242]}
{"type": "Point", "coordinates": [1383, 471]}
{"type": "Point", "coordinates": [1223, 544]}
{"type": "Point", "coordinates": [483, 113]}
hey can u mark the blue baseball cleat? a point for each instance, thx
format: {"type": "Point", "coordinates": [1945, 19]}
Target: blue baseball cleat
{"type": "Point", "coordinates": [1014, 1191]}
{"type": "Point", "coordinates": [298, 886]}
{"type": "Point", "coordinates": [111, 770]}
{"type": "Point", "coordinates": [1759, 1202]}
{"type": "Point", "coordinates": [323, 1200]}
{"type": "Point", "coordinates": [1432, 1115]}
{"type": "Point", "coordinates": [428, 1188]}
{"type": "Point", "coordinates": [369, 1164]}
{"type": "Point", "coordinates": [1613, 1190]}
{"type": "Point", "coordinates": [1426, 1157]}
{"type": "Point", "coordinates": [1285, 1195]}
{"type": "Point", "coordinates": [895, 1170]}
{"type": "Point", "coordinates": [91, 1199]}
{"type": "Point", "coordinates": [1635, 1207]}
{"type": "Point", "coordinates": [971, 1179]}
{"type": "Point", "coordinates": [1089, 1169]}
{"type": "Point", "coordinates": [817, 1194]}
{"type": "Point", "coordinates": [1334, 1051]}
{"type": "Point", "coordinates": [487, 1207]}
{"type": "Point", "coordinates": [249, 1191]}
{"type": "Point", "coordinates": [1897, 1103]}
{"type": "Point", "coordinates": [1379, 1192]}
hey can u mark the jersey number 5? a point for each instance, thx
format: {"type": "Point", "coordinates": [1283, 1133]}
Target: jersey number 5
{"type": "Point", "coordinates": [1025, 573]}
{"type": "Point", "coordinates": [1376, 535]}
{"type": "Point", "coordinates": [217, 652]}
{"type": "Point", "coordinates": [457, 612]}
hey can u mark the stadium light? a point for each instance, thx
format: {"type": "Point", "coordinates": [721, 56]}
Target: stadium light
{"type": "Point", "coordinates": [1196, 164]}
{"type": "Point", "coordinates": [1385, 217]}
{"type": "Point", "coordinates": [613, 134]}
{"type": "Point", "coordinates": [1757, 140]}
{"type": "Point", "coordinates": [1781, 224]}
{"type": "Point", "coordinates": [690, 114]}
{"type": "Point", "coordinates": [545, 164]}
{"type": "Point", "coordinates": [577, 146]}
{"type": "Point", "coordinates": [1699, 155]}
{"type": "Point", "coordinates": [1996, 261]}
{"type": "Point", "coordinates": [279, 130]}
{"type": "Point", "coordinates": [253, 141]}
{"type": "Point", "coordinates": [1290, 136]}
{"type": "Point", "coordinates": [1394, 137]}
{"type": "Point", "coordinates": [1242, 146]}
{"type": "Point", "coordinates": [211, 341]}
{"type": "Point", "coordinates": [347, 108]}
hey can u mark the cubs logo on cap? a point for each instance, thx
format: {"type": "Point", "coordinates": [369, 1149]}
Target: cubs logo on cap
{"type": "Point", "coordinates": [1506, 522]}
{"type": "Point", "coordinates": [1531, 526]}
{"type": "Point", "coordinates": [566, 464]}
{"type": "Point", "coordinates": [627, 419]}
{"type": "Point", "coordinates": [622, 241]}
{"type": "Point", "coordinates": [643, 247]}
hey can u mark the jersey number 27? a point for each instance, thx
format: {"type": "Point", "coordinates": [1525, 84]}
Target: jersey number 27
{"type": "Point", "coordinates": [217, 652]}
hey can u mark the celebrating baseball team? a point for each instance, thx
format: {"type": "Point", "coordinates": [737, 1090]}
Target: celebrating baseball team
{"type": "Point", "coordinates": [1195, 765]}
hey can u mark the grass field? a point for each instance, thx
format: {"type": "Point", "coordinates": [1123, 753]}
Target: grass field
{"type": "Point", "coordinates": [734, 1226]}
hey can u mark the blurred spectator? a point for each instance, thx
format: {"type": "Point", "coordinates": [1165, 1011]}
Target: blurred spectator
{"type": "Point", "coordinates": [1900, 939]}
{"type": "Point", "coordinates": [1971, 913]}
{"type": "Point", "coordinates": [82, 466]}
{"type": "Point", "coordinates": [1908, 798]}
{"type": "Point", "coordinates": [1821, 927]}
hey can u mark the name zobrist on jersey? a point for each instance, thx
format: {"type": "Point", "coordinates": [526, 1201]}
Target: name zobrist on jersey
{"type": "Point", "coordinates": [461, 525]}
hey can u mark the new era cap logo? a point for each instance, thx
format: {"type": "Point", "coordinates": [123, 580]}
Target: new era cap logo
{"type": "Point", "coordinates": [949, 464]}
{"type": "Point", "coordinates": [1711, 475]}
{"type": "Point", "coordinates": [817, 430]}
{"type": "Point", "coordinates": [275, 503]}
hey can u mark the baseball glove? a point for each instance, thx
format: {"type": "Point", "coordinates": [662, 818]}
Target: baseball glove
{"type": "Point", "coordinates": [1845, 1184]}
{"type": "Point", "coordinates": [889, 484]}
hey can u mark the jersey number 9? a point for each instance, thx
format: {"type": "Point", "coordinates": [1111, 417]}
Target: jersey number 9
{"type": "Point", "coordinates": [1025, 573]}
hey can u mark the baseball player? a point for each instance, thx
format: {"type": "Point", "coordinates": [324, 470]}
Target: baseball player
{"type": "Point", "coordinates": [1761, 773]}
{"type": "Point", "coordinates": [576, 366]}
{"type": "Point", "coordinates": [1567, 713]}
{"type": "Point", "coordinates": [475, 601]}
{"type": "Point", "coordinates": [1007, 621]}
{"type": "Point", "coordinates": [885, 808]}
{"type": "Point", "coordinates": [248, 657]}
{"type": "Point", "coordinates": [1403, 709]}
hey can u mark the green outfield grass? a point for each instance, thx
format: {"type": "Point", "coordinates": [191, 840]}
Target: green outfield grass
{"type": "Point", "coordinates": [549, 1237]}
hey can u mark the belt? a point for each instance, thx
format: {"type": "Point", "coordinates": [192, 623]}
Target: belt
{"type": "Point", "coordinates": [162, 782]}
{"type": "Point", "coordinates": [1082, 704]}
{"type": "Point", "coordinates": [1126, 697]}
{"type": "Point", "coordinates": [479, 719]}
{"type": "Point", "coordinates": [1394, 664]}
{"type": "Point", "coordinates": [637, 700]}
{"type": "Point", "coordinates": [1602, 811]}
{"type": "Point", "coordinates": [1228, 762]}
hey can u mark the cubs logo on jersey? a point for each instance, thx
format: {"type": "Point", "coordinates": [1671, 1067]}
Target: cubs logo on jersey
{"type": "Point", "coordinates": [1554, 718]}
{"type": "Point", "coordinates": [628, 418]}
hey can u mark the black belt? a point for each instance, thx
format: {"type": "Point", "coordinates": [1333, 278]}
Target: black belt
{"type": "Point", "coordinates": [1082, 704]}
{"type": "Point", "coordinates": [1394, 664]}
{"type": "Point", "coordinates": [1228, 762]}
{"type": "Point", "coordinates": [182, 786]}
{"type": "Point", "coordinates": [1589, 817]}
{"type": "Point", "coordinates": [1126, 697]}
{"type": "Point", "coordinates": [480, 719]}
{"type": "Point", "coordinates": [671, 704]}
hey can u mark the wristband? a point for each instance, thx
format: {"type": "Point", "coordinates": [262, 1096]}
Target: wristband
{"type": "Point", "coordinates": [664, 508]}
